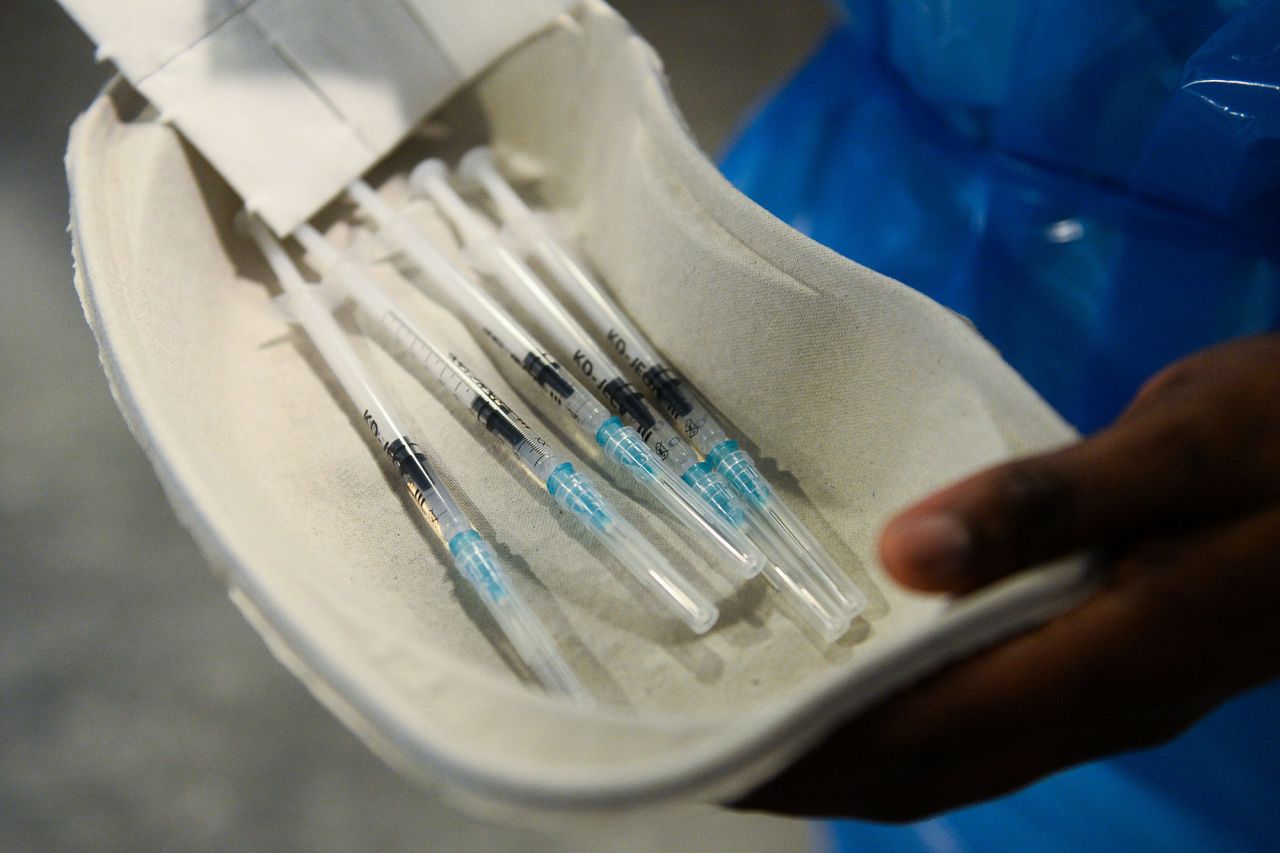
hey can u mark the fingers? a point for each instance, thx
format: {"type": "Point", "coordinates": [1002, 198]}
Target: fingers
{"type": "Point", "coordinates": [975, 731]}
{"type": "Point", "coordinates": [1185, 622]}
{"type": "Point", "coordinates": [1192, 449]}
{"type": "Point", "coordinates": [988, 525]}
{"type": "Point", "coordinates": [1184, 493]}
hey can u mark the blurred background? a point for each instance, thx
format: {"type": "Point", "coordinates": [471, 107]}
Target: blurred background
{"type": "Point", "coordinates": [138, 710]}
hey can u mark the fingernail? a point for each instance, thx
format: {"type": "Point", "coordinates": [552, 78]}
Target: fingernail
{"type": "Point", "coordinates": [936, 546]}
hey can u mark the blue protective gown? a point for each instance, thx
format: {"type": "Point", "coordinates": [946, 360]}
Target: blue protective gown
{"type": "Point", "coordinates": [1096, 184]}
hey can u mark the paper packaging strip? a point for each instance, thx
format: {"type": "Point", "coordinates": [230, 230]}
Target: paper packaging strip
{"type": "Point", "coordinates": [291, 99]}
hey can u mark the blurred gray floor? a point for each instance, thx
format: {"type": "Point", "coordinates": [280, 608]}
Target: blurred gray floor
{"type": "Point", "coordinates": [137, 709]}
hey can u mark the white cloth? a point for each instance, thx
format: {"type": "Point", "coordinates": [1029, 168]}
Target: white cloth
{"type": "Point", "coordinates": [856, 394]}
{"type": "Point", "coordinates": [292, 99]}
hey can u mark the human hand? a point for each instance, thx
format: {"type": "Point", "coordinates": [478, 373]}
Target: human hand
{"type": "Point", "coordinates": [1181, 497]}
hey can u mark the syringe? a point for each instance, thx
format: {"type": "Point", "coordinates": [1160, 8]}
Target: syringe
{"type": "Point", "coordinates": [474, 558]}
{"type": "Point", "coordinates": [682, 404]}
{"type": "Point", "coordinates": [491, 255]}
{"type": "Point", "coordinates": [620, 443]}
{"type": "Point", "coordinates": [570, 489]}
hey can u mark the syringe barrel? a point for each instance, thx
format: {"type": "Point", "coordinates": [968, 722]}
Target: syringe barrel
{"type": "Point", "coordinates": [586, 411]}
{"type": "Point", "coordinates": [575, 342]}
{"type": "Point", "coordinates": [527, 228]}
{"type": "Point", "coordinates": [474, 558]}
{"type": "Point", "coordinates": [677, 397]}
{"type": "Point", "coordinates": [490, 255]}
{"type": "Point", "coordinates": [500, 329]}
{"type": "Point", "coordinates": [405, 340]}
{"type": "Point", "coordinates": [429, 493]}
{"type": "Point", "coordinates": [621, 444]}
{"type": "Point", "coordinates": [498, 419]}
{"type": "Point", "coordinates": [487, 254]}
{"type": "Point", "coordinates": [563, 390]}
{"type": "Point", "coordinates": [424, 484]}
{"type": "Point", "coordinates": [495, 258]}
{"type": "Point", "coordinates": [618, 330]}
{"type": "Point", "coordinates": [827, 596]}
{"type": "Point", "coordinates": [466, 294]}
{"type": "Point", "coordinates": [611, 323]}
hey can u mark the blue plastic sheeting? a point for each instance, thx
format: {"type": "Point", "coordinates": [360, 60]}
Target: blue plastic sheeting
{"type": "Point", "coordinates": [1171, 99]}
{"type": "Point", "coordinates": [1095, 184]}
{"type": "Point", "coordinates": [1092, 244]}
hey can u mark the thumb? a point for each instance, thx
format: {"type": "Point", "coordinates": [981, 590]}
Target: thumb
{"type": "Point", "coordinates": [1146, 473]}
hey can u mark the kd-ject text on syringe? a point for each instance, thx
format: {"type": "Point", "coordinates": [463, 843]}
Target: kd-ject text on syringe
{"type": "Point", "coordinates": [496, 260]}
{"type": "Point", "coordinates": [474, 558]}
{"type": "Point", "coordinates": [798, 565]}
{"type": "Point", "coordinates": [680, 401]}
{"type": "Point", "coordinates": [569, 488]}
{"type": "Point", "coordinates": [619, 442]}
